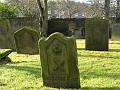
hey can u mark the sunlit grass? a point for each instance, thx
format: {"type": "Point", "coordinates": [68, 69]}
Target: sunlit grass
{"type": "Point", "coordinates": [98, 70]}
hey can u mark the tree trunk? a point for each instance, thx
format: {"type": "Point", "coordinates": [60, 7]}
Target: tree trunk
{"type": "Point", "coordinates": [107, 14]}
{"type": "Point", "coordinates": [43, 17]}
{"type": "Point", "coordinates": [107, 9]}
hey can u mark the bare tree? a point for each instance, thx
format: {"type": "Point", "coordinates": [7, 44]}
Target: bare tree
{"type": "Point", "coordinates": [43, 7]}
{"type": "Point", "coordinates": [25, 7]}
{"type": "Point", "coordinates": [118, 9]}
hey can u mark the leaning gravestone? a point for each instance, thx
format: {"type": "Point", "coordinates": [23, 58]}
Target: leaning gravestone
{"type": "Point", "coordinates": [59, 61]}
{"type": "Point", "coordinates": [116, 31]}
{"type": "Point", "coordinates": [4, 56]}
{"type": "Point", "coordinates": [96, 34]}
{"type": "Point", "coordinates": [26, 40]}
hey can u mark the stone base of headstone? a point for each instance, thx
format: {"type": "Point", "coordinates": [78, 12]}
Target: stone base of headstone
{"type": "Point", "coordinates": [58, 83]}
{"type": "Point", "coordinates": [59, 62]}
{"type": "Point", "coordinates": [96, 34]}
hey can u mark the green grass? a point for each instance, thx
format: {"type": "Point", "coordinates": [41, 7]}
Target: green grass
{"type": "Point", "coordinates": [98, 70]}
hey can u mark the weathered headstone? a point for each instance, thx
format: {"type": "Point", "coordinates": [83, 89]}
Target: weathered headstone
{"type": "Point", "coordinates": [116, 31]}
{"type": "Point", "coordinates": [59, 61]}
{"type": "Point", "coordinates": [5, 34]}
{"type": "Point", "coordinates": [96, 34]}
{"type": "Point", "coordinates": [26, 40]}
{"type": "Point", "coordinates": [4, 56]}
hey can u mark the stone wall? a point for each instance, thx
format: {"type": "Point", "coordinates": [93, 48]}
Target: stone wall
{"type": "Point", "coordinates": [68, 26]}
{"type": "Point", "coordinates": [19, 22]}
{"type": "Point", "coordinates": [11, 25]}
{"type": "Point", "coordinates": [65, 26]}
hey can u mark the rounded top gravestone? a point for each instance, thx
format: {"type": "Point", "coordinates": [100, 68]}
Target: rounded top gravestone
{"type": "Point", "coordinates": [26, 40]}
{"type": "Point", "coordinates": [59, 61]}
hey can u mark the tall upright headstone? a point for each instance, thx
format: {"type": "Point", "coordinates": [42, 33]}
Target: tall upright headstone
{"type": "Point", "coordinates": [97, 34]}
{"type": "Point", "coordinates": [59, 61]}
{"type": "Point", "coordinates": [26, 40]}
{"type": "Point", "coordinates": [116, 32]}
{"type": "Point", "coordinates": [5, 34]}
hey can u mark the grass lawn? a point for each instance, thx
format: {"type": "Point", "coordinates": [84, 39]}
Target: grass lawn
{"type": "Point", "coordinates": [98, 70]}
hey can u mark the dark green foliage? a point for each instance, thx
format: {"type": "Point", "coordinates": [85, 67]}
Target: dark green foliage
{"type": "Point", "coordinates": [7, 10]}
{"type": "Point", "coordinates": [96, 34]}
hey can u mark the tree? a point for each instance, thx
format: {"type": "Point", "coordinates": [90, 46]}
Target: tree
{"type": "Point", "coordinates": [118, 9]}
{"type": "Point", "coordinates": [7, 10]}
{"type": "Point", "coordinates": [52, 8]}
{"type": "Point", "coordinates": [95, 8]}
{"type": "Point", "coordinates": [43, 7]}
{"type": "Point", "coordinates": [107, 9]}
{"type": "Point", "coordinates": [25, 7]}
{"type": "Point", "coordinates": [69, 8]}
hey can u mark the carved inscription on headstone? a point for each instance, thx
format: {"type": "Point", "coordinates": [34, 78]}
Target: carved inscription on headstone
{"type": "Point", "coordinates": [59, 61]}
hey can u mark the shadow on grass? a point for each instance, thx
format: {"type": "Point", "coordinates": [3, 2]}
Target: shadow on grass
{"type": "Point", "coordinates": [97, 88]}
{"type": "Point", "coordinates": [92, 74]}
{"type": "Point", "coordinates": [114, 50]}
{"type": "Point", "coordinates": [80, 48]}
{"type": "Point", "coordinates": [93, 56]}
{"type": "Point", "coordinates": [17, 62]}
{"type": "Point", "coordinates": [5, 60]}
{"type": "Point", "coordinates": [110, 50]}
{"type": "Point", "coordinates": [32, 70]}
{"type": "Point", "coordinates": [2, 84]}
{"type": "Point", "coordinates": [114, 43]}
{"type": "Point", "coordinates": [84, 88]}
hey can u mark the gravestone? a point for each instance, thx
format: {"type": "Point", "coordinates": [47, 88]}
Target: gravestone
{"type": "Point", "coordinates": [26, 40]}
{"type": "Point", "coordinates": [5, 34]}
{"type": "Point", "coordinates": [4, 56]}
{"type": "Point", "coordinates": [96, 34]}
{"type": "Point", "coordinates": [59, 61]}
{"type": "Point", "coordinates": [116, 31]}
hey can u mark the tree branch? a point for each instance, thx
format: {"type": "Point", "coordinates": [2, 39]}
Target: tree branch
{"type": "Point", "coordinates": [40, 6]}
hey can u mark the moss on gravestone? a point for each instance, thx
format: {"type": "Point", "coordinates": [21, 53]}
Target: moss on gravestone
{"type": "Point", "coordinates": [26, 40]}
{"type": "Point", "coordinates": [59, 61]}
{"type": "Point", "coordinates": [5, 34]}
{"type": "Point", "coordinates": [96, 34]}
